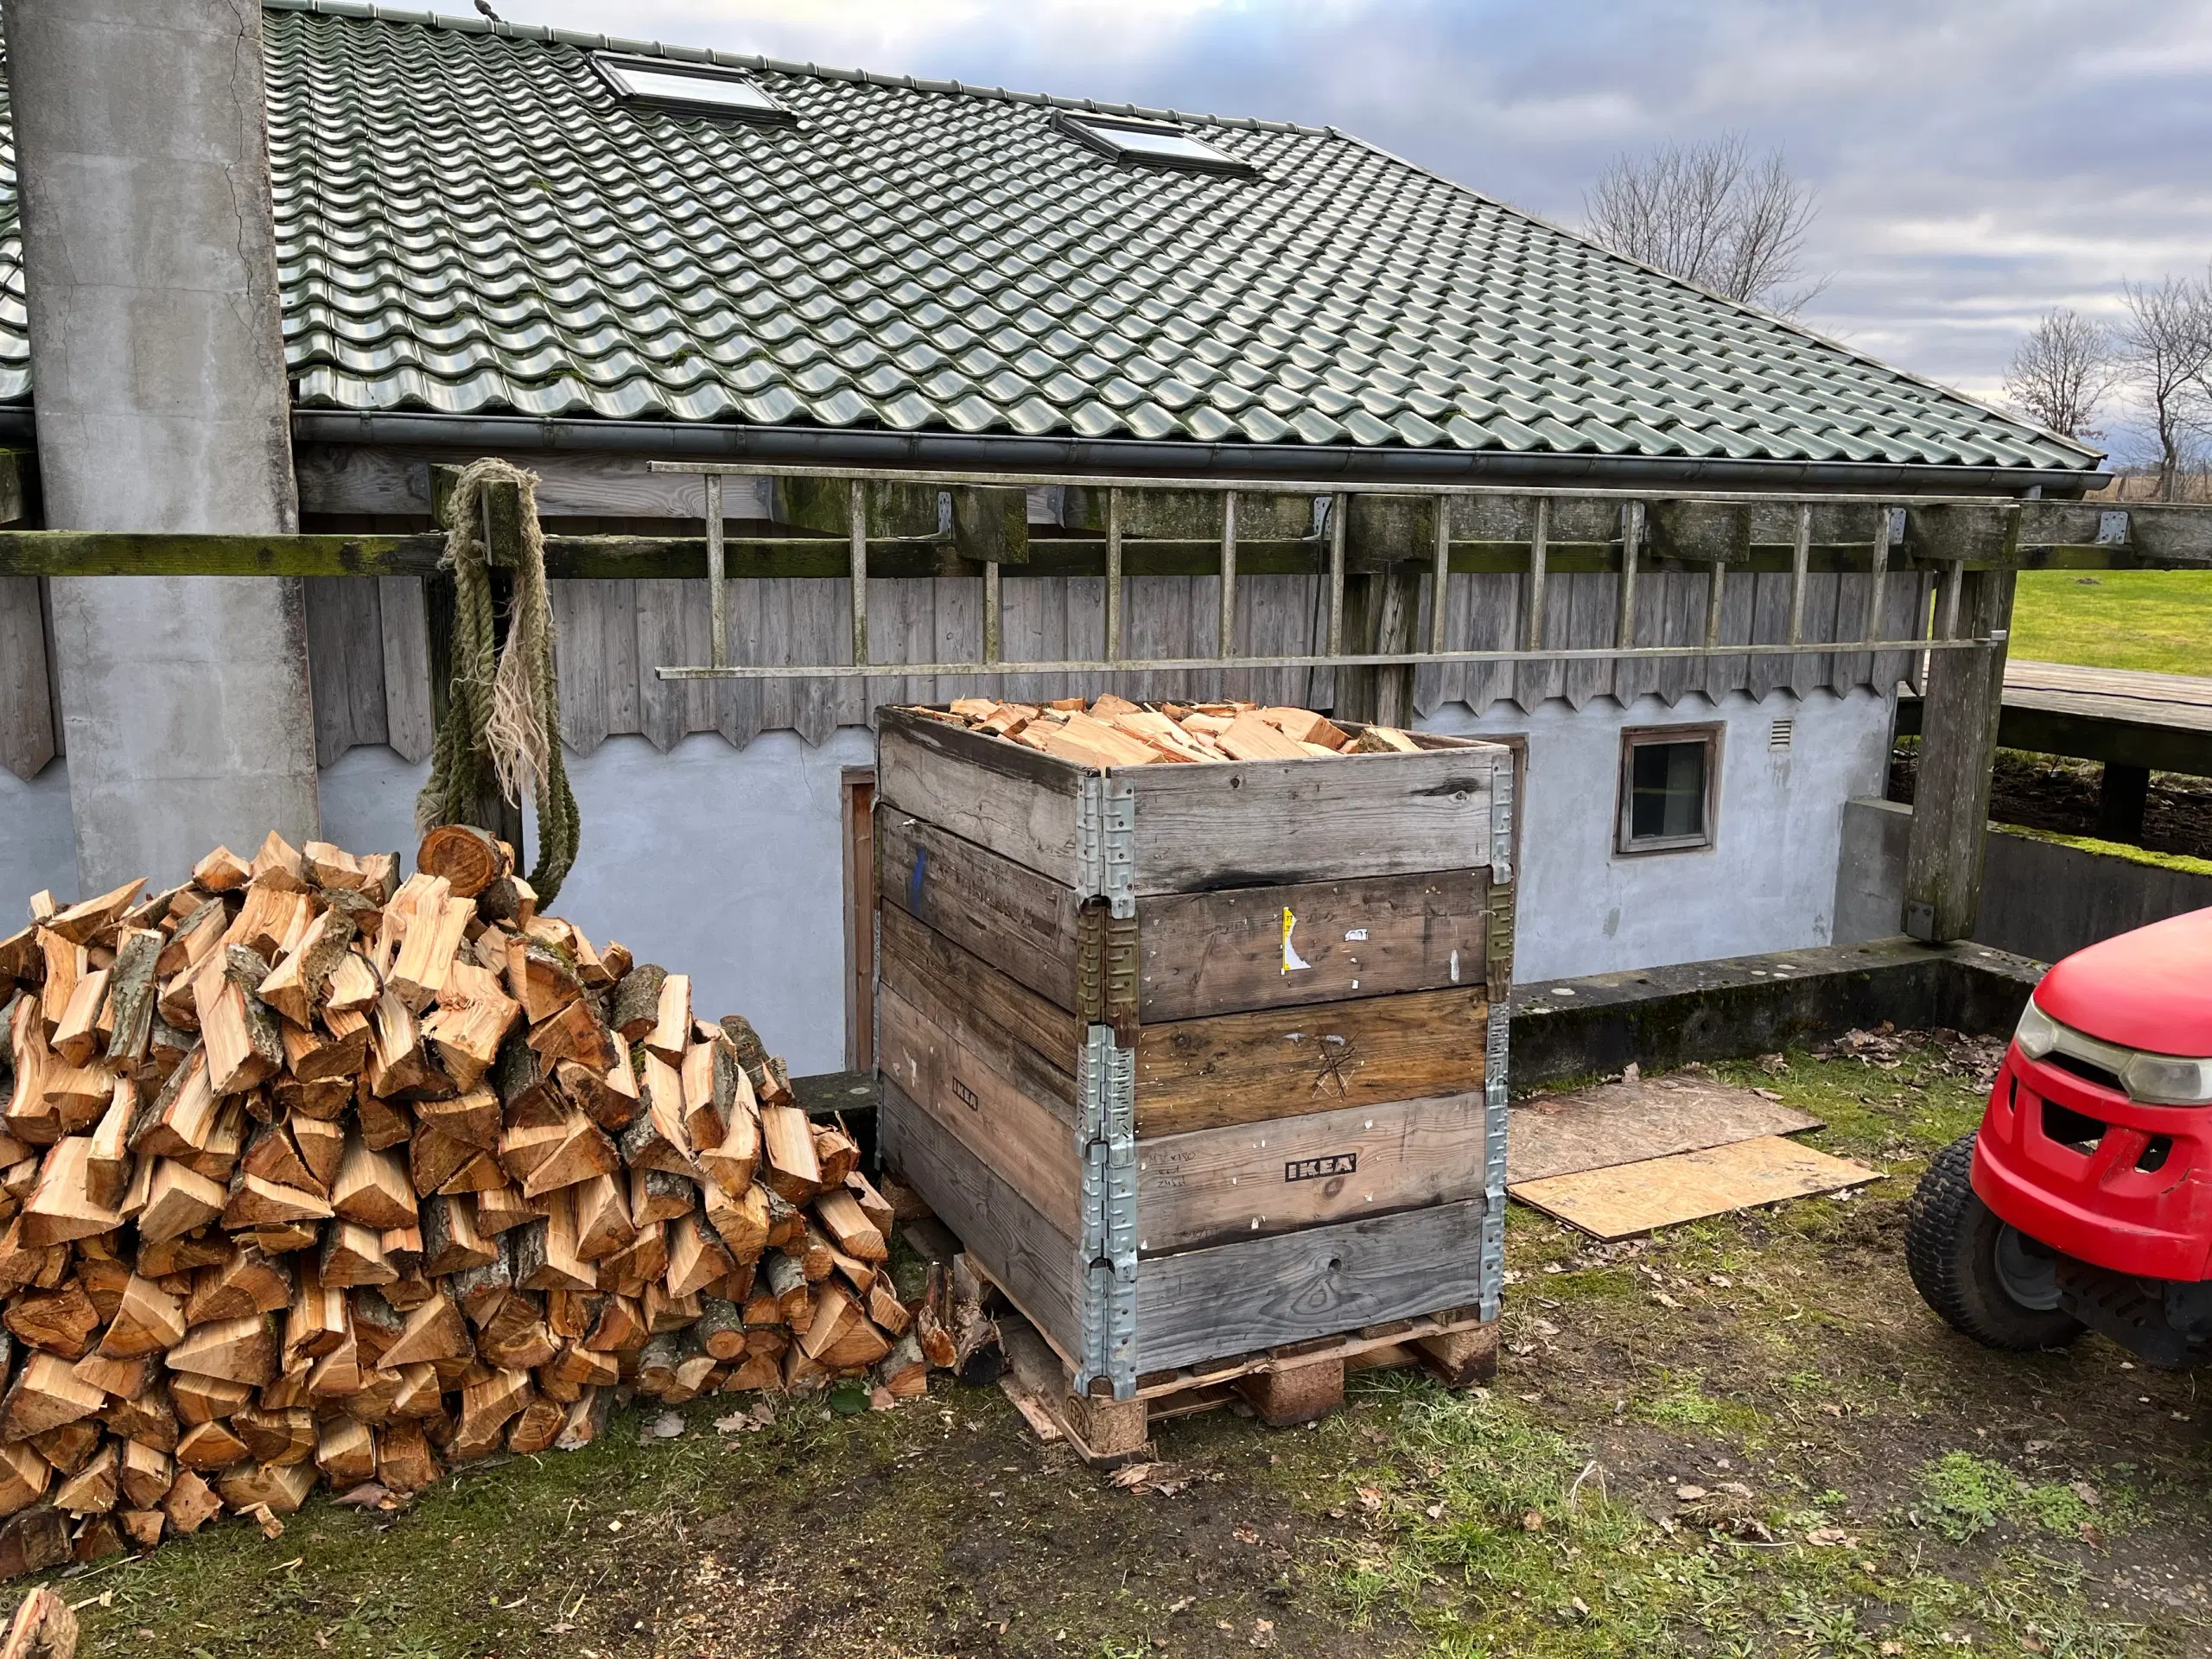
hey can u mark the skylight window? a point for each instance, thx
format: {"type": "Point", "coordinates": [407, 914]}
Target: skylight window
{"type": "Point", "coordinates": [1161, 143]}
{"type": "Point", "coordinates": [695, 88]}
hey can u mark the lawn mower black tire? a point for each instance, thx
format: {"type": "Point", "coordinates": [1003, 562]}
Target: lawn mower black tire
{"type": "Point", "coordinates": [1951, 1245]}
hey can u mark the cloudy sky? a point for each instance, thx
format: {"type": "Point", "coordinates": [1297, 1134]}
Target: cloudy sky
{"type": "Point", "coordinates": [1977, 161]}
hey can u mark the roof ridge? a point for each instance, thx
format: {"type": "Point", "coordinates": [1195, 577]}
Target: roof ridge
{"type": "Point", "coordinates": [365, 11]}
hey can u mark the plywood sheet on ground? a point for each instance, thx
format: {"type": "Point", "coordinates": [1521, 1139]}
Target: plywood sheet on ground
{"type": "Point", "coordinates": [1625, 1123]}
{"type": "Point", "coordinates": [1626, 1199]}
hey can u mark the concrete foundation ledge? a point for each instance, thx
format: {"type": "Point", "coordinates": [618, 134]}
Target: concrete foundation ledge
{"type": "Point", "coordinates": [1737, 1006]}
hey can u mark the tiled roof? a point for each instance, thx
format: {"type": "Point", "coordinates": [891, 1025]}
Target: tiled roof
{"type": "Point", "coordinates": [470, 221]}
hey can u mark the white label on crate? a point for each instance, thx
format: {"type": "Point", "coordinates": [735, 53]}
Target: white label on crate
{"type": "Point", "coordinates": [1355, 935]}
{"type": "Point", "coordinates": [1292, 961]}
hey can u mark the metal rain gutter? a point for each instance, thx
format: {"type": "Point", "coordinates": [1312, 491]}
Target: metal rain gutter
{"type": "Point", "coordinates": [862, 447]}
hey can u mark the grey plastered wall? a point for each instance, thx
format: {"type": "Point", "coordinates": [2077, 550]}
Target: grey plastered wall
{"type": "Point", "coordinates": [1768, 881]}
{"type": "Point", "coordinates": [1870, 871]}
{"type": "Point", "coordinates": [2039, 899]}
{"type": "Point", "coordinates": [725, 864]}
{"type": "Point", "coordinates": [37, 849]}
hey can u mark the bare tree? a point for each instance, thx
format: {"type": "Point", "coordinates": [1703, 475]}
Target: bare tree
{"type": "Point", "coordinates": [1715, 214]}
{"type": "Point", "coordinates": [2165, 347]}
{"type": "Point", "coordinates": [2063, 371]}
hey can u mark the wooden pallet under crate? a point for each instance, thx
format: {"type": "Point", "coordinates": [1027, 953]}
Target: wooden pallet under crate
{"type": "Point", "coordinates": [1292, 1385]}
{"type": "Point", "coordinates": [1200, 1062]}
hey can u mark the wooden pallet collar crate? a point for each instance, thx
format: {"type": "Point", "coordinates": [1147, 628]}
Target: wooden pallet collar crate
{"type": "Point", "coordinates": [1203, 1059]}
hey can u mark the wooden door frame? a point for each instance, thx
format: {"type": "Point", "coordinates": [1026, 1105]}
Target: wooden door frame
{"type": "Point", "coordinates": [857, 788]}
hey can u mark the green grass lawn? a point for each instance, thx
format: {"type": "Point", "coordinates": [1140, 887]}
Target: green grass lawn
{"type": "Point", "coordinates": [1742, 1438]}
{"type": "Point", "coordinates": [2157, 620]}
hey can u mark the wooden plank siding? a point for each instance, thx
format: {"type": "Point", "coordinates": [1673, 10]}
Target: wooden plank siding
{"type": "Point", "coordinates": [1226, 951]}
{"type": "Point", "coordinates": [1003, 913]}
{"type": "Point", "coordinates": [1251, 1180]}
{"type": "Point", "coordinates": [614, 632]}
{"type": "Point", "coordinates": [1318, 1281]}
{"type": "Point", "coordinates": [1034, 1262]}
{"type": "Point", "coordinates": [1276, 1063]}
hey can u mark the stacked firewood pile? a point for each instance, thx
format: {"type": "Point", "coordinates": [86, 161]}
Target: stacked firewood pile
{"type": "Point", "coordinates": [1115, 732]}
{"type": "Point", "coordinates": [311, 1172]}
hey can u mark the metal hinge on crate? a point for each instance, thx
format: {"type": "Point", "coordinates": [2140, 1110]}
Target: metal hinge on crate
{"type": "Point", "coordinates": [1501, 824]}
{"type": "Point", "coordinates": [1106, 969]}
{"type": "Point", "coordinates": [1498, 1046]}
{"type": "Point", "coordinates": [1495, 1060]}
{"type": "Point", "coordinates": [1105, 841]}
{"type": "Point", "coordinates": [1107, 1144]}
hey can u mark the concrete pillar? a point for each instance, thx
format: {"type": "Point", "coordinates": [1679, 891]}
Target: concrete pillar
{"type": "Point", "coordinates": [158, 379]}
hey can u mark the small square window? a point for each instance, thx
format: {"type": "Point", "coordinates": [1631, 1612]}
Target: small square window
{"type": "Point", "coordinates": [1160, 142]}
{"type": "Point", "coordinates": [1670, 777]}
{"type": "Point", "coordinates": [695, 88]}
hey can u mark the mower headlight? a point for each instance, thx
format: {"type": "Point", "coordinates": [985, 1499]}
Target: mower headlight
{"type": "Point", "coordinates": [2038, 1032]}
{"type": "Point", "coordinates": [2163, 1080]}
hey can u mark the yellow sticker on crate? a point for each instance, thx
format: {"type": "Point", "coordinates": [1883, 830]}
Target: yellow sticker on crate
{"type": "Point", "coordinates": [1291, 959]}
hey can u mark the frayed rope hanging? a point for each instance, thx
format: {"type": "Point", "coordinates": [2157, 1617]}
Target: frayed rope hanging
{"type": "Point", "coordinates": [503, 716]}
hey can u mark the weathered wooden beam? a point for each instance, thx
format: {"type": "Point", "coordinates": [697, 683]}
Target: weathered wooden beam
{"type": "Point", "coordinates": [98, 553]}
{"type": "Point", "coordinates": [27, 712]}
{"type": "Point", "coordinates": [1700, 533]}
{"type": "Point", "coordinates": [2180, 537]}
{"type": "Point", "coordinates": [1193, 516]}
{"type": "Point", "coordinates": [18, 474]}
{"type": "Point", "coordinates": [2089, 737]}
{"type": "Point", "coordinates": [1958, 754]}
{"type": "Point", "coordinates": [893, 510]}
{"type": "Point", "coordinates": [991, 524]}
{"type": "Point", "coordinates": [1963, 533]}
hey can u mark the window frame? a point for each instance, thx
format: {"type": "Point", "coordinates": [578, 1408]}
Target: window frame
{"type": "Point", "coordinates": [1097, 132]}
{"type": "Point", "coordinates": [610, 66]}
{"type": "Point", "coordinates": [1628, 845]}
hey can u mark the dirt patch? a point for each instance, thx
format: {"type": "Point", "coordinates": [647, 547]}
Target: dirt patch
{"type": "Point", "coordinates": [2048, 792]}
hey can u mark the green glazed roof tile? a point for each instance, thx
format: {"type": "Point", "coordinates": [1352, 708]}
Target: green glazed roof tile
{"type": "Point", "coordinates": [470, 221]}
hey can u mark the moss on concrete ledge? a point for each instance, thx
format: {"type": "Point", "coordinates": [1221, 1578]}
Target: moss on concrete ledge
{"type": "Point", "coordinates": [2109, 850]}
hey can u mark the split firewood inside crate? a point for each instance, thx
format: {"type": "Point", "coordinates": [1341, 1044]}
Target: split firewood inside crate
{"type": "Point", "coordinates": [1112, 731]}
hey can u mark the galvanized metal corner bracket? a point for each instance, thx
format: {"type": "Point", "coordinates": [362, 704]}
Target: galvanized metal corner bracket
{"type": "Point", "coordinates": [1106, 1142]}
{"type": "Point", "coordinates": [1105, 841]}
{"type": "Point", "coordinates": [1495, 1073]}
{"type": "Point", "coordinates": [1500, 823]}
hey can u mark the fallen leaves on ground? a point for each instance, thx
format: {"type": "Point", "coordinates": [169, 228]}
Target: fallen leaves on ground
{"type": "Point", "coordinates": [1160, 1479]}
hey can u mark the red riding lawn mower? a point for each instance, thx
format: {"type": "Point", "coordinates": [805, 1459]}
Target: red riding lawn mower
{"type": "Point", "coordinates": [2085, 1200]}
